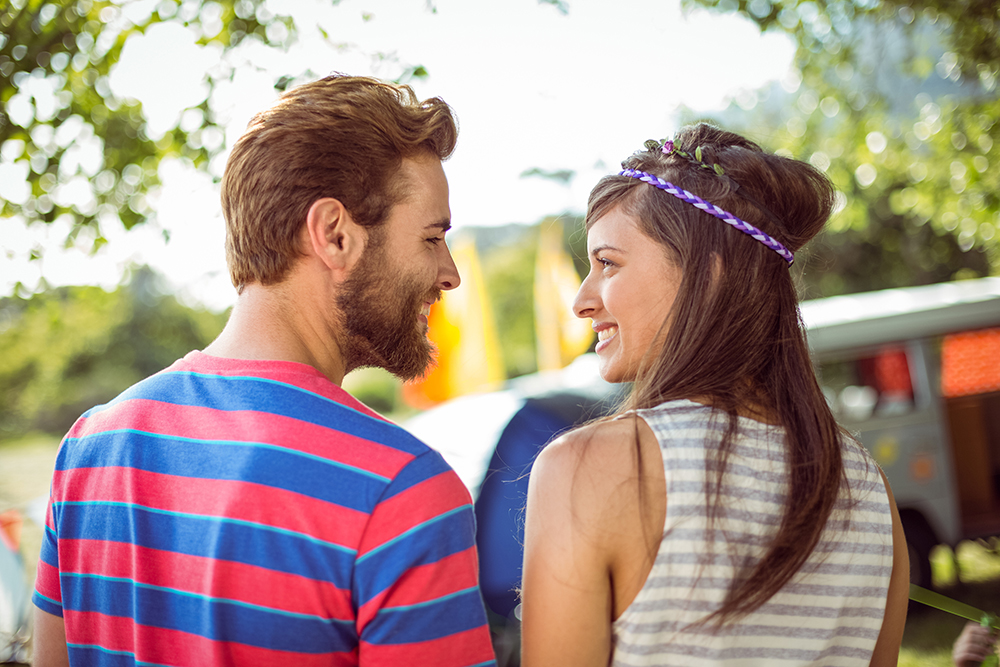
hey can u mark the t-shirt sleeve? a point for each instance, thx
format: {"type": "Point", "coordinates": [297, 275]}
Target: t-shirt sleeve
{"type": "Point", "coordinates": [48, 594]}
{"type": "Point", "coordinates": [416, 579]}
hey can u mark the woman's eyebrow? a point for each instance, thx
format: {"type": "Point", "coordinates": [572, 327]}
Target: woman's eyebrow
{"type": "Point", "coordinates": [602, 248]}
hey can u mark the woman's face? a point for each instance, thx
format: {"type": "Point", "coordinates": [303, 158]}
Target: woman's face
{"type": "Point", "coordinates": [628, 293]}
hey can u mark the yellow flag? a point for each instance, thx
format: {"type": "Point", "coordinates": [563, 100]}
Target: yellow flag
{"type": "Point", "coordinates": [462, 327]}
{"type": "Point", "coordinates": [559, 334]}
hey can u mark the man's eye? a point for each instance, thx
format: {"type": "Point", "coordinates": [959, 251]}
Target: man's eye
{"type": "Point", "coordinates": [435, 240]}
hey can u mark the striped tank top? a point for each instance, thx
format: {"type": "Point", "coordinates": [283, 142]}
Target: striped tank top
{"type": "Point", "coordinates": [829, 613]}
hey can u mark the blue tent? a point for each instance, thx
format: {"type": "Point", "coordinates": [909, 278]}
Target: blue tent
{"type": "Point", "coordinates": [492, 439]}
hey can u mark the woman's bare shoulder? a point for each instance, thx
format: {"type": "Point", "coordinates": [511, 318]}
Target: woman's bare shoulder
{"type": "Point", "coordinates": [602, 453]}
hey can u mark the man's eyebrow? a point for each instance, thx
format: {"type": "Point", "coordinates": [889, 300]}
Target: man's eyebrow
{"type": "Point", "coordinates": [444, 225]}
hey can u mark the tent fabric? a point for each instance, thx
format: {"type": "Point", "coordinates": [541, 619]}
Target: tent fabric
{"type": "Point", "coordinates": [504, 490]}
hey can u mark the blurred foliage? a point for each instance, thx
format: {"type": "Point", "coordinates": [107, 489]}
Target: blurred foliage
{"type": "Point", "coordinates": [88, 155]}
{"type": "Point", "coordinates": [509, 274]}
{"type": "Point", "coordinates": [84, 152]}
{"type": "Point", "coordinates": [378, 389]}
{"type": "Point", "coordinates": [65, 350]}
{"type": "Point", "coordinates": [897, 102]}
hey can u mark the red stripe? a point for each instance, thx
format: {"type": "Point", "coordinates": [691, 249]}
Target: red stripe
{"type": "Point", "coordinates": [189, 421]}
{"type": "Point", "coordinates": [174, 647]}
{"type": "Point", "coordinates": [47, 581]}
{"type": "Point", "coordinates": [206, 576]}
{"type": "Point", "coordinates": [459, 650]}
{"type": "Point", "coordinates": [421, 502]}
{"type": "Point", "coordinates": [452, 573]}
{"type": "Point", "coordinates": [232, 499]}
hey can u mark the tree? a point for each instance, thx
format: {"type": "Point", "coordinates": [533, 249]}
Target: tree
{"type": "Point", "coordinates": [897, 102]}
{"type": "Point", "coordinates": [65, 350]}
{"type": "Point", "coordinates": [81, 151]}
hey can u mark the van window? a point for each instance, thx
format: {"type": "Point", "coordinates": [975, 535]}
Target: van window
{"type": "Point", "coordinates": [970, 363]}
{"type": "Point", "coordinates": [876, 385]}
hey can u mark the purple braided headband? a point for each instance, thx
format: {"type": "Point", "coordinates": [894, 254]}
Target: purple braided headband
{"type": "Point", "coordinates": [711, 209]}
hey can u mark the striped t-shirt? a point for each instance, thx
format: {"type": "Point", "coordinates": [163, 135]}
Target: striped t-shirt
{"type": "Point", "coordinates": [830, 613]}
{"type": "Point", "coordinates": [227, 512]}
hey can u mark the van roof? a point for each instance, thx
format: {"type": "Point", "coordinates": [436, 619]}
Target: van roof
{"type": "Point", "coordinates": [893, 315]}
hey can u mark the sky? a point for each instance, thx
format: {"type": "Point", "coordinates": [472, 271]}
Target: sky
{"type": "Point", "coordinates": [533, 88]}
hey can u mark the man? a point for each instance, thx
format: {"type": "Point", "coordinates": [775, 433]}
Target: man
{"type": "Point", "coordinates": [240, 508]}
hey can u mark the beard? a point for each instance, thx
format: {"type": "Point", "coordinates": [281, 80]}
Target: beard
{"type": "Point", "coordinates": [380, 310]}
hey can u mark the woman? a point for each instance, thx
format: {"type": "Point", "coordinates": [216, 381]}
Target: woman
{"type": "Point", "coordinates": [722, 517]}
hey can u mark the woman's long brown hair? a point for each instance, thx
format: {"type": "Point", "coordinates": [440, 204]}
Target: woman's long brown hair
{"type": "Point", "coordinates": [734, 337]}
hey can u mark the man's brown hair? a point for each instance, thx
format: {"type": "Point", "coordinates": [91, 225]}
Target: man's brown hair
{"type": "Point", "coordinates": [341, 137]}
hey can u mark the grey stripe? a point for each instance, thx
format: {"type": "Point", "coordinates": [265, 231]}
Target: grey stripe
{"type": "Point", "coordinates": [775, 653]}
{"type": "Point", "coordinates": [675, 510]}
{"type": "Point", "coordinates": [756, 630]}
{"type": "Point", "coordinates": [752, 493]}
{"type": "Point", "coordinates": [703, 607]}
{"type": "Point", "coordinates": [826, 546]}
{"type": "Point", "coordinates": [678, 511]}
{"type": "Point", "coordinates": [815, 590]}
{"type": "Point", "coordinates": [728, 560]}
{"type": "Point", "coordinates": [734, 469]}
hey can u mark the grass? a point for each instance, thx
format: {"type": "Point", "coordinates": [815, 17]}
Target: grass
{"type": "Point", "coordinates": [970, 573]}
{"type": "Point", "coordinates": [26, 465]}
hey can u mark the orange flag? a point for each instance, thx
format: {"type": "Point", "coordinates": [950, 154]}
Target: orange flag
{"type": "Point", "coordinates": [560, 336]}
{"type": "Point", "coordinates": [463, 329]}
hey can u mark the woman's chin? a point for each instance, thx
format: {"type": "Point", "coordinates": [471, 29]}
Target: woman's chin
{"type": "Point", "coordinates": [614, 374]}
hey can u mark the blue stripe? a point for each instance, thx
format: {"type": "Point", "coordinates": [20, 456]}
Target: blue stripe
{"type": "Point", "coordinates": [405, 607]}
{"type": "Point", "coordinates": [432, 541]}
{"type": "Point", "coordinates": [209, 598]}
{"type": "Point", "coordinates": [184, 457]}
{"type": "Point", "coordinates": [424, 467]}
{"type": "Point", "coordinates": [209, 537]}
{"type": "Point", "coordinates": [220, 519]}
{"type": "Point", "coordinates": [46, 603]}
{"type": "Point", "coordinates": [233, 443]}
{"type": "Point", "coordinates": [206, 617]}
{"type": "Point", "coordinates": [235, 393]}
{"type": "Point", "coordinates": [49, 553]}
{"type": "Point", "coordinates": [447, 616]}
{"type": "Point", "coordinates": [98, 656]}
{"type": "Point", "coordinates": [101, 649]}
{"type": "Point", "coordinates": [407, 533]}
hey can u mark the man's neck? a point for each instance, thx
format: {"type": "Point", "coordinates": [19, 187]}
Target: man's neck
{"type": "Point", "coordinates": [274, 323]}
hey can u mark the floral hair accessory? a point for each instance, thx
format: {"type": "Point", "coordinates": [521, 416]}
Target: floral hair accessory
{"type": "Point", "coordinates": [667, 148]}
{"type": "Point", "coordinates": [713, 210]}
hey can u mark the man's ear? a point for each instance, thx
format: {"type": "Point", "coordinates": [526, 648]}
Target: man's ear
{"type": "Point", "coordinates": [332, 235]}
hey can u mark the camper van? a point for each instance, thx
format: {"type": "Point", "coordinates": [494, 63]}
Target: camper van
{"type": "Point", "coordinates": [914, 373]}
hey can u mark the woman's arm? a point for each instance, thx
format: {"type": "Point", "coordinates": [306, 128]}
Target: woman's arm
{"type": "Point", "coordinates": [886, 653]}
{"type": "Point", "coordinates": [49, 641]}
{"type": "Point", "coordinates": [590, 539]}
{"type": "Point", "coordinates": [566, 586]}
